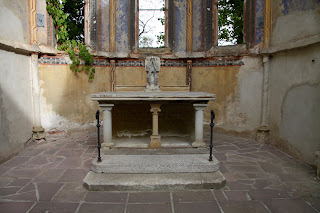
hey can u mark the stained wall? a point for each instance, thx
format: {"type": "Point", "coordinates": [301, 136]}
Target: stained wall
{"type": "Point", "coordinates": [16, 112]}
{"type": "Point", "coordinates": [236, 81]}
{"type": "Point", "coordinates": [295, 78]}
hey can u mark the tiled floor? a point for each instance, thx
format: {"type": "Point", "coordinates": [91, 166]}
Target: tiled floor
{"type": "Point", "coordinates": [47, 177]}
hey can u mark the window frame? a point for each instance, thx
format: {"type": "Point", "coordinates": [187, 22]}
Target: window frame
{"type": "Point", "coordinates": [164, 49]}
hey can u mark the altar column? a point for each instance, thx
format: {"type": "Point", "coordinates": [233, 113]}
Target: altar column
{"type": "Point", "coordinates": [107, 125]}
{"type": "Point", "coordinates": [199, 125]}
{"type": "Point", "coordinates": [155, 141]}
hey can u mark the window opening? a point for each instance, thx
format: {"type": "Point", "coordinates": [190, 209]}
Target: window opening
{"type": "Point", "coordinates": [230, 22]}
{"type": "Point", "coordinates": [151, 23]}
{"type": "Point", "coordinates": [75, 19]}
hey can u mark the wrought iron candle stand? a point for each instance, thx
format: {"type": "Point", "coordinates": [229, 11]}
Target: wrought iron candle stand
{"type": "Point", "coordinates": [211, 142]}
{"type": "Point", "coordinates": [99, 144]}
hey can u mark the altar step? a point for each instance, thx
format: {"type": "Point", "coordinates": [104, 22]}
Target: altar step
{"type": "Point", "coordinates": [154, 172]}
{"type": "Point", "coordinates": [155, 164]}
{"type": "Point", "coordinates": [153, 182]}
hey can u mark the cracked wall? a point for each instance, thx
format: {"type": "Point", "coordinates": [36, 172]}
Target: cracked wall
{"type": "Point", "coordinates": [295, 102]}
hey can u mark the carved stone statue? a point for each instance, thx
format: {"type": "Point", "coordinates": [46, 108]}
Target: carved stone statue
{"type": "Point", "coordinates": [152, 65]}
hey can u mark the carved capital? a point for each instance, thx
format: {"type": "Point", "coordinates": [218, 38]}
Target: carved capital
{"type": "Point", "coordinates": [155, 111]}
{"type": "Point", "coordinates": [200, 107]}
{"type": "Point", "coordinates": [155, 108]}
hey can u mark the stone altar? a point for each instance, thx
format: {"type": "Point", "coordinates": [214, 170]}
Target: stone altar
{"type": "Point", "coordinates": [165, 169]}
{"type": "Point", "coordinates": [107, 100]}
{"type": "Point", "coordinates": [155, 97]}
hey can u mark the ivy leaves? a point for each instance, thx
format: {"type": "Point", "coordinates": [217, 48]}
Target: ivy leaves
{"type": "Point", "coordinates": [77, 51]}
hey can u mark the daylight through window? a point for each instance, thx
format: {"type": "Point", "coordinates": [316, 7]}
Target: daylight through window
{"type": "Point", "coordinates": [151, 23]}
{"type": "Point", "coordinates": [230, 22]}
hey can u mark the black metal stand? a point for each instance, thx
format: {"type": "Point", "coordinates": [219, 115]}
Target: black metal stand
{"type": "Point", "coordinates": [211, 142]}
{"type": "Point", "coordinates": [98, 126]}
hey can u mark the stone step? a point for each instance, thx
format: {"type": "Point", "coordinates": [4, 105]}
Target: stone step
{"type": "Point", "coordinates": [161, 151]}
{"type": "Point", "coordinates": [153, 182]}
{"type": "Point", "coordinates": [155, 164]}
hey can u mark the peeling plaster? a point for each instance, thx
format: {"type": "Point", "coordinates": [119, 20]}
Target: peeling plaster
{"type": "Point", "coordinates": [180, 25]}
{"type": "Point", "coordinates": [122, 30]}
{"type": "Point", "coordinates": [197, 26]}
{"type": "Point", "coordinates": [105, 25]}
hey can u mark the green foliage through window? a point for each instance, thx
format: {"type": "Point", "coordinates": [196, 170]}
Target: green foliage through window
{"type": "Point", "coordinates": [230, 21]}
{"type": "Point", "coordinates": [68, 19]}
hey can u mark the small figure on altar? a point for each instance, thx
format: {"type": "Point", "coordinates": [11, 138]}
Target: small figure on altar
{"type": "Point", "coordinates": [152, 65]}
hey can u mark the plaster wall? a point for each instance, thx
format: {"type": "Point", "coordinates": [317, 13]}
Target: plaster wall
{"type": "Point", "coordinates": [238, 92]}
{"type": "Point", "coordinates": [42, 31]}
{"type": "Point", "coordinates": [65, 97]}
{"type": "Point", "coordinates": [105, 25]}
{"type": "Point", "coordinates": [294, 21]}
{"type": "Point", "coordinates": [14, 21]}
{"type": "Point", "coordinates": [122, 30]}
{"type": "Point", "coordinates": [16, 113]}
{"type": "Point", "coordinates": [66, 104]}
{"type": "Point", "coordinates": [295, 102]}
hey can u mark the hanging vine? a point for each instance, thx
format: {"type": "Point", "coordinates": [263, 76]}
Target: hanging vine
{"type": "Point", "coordinates": [77, 51]}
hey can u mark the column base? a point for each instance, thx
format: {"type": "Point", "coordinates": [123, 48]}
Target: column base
{"type": "Point", "coordinates": [155, 141]}
{"type": "Point", "coordinates": [38, 133]}
{"type": "Point", "coordinates": [263, 135]}
{"type": "Point", "coordinates": [107, 145]}
{"type": "Point", "coordinates": [197, 144]}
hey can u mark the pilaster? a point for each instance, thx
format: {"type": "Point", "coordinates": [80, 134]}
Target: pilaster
{"type": "Point", "coordinates": [33, 21]}
{"type": "Point", "coordinates": [263, 130]}
{"type": "Point", "coordinates": [112, 25]}
{"type": "Point", "coordinates": [38, 131]}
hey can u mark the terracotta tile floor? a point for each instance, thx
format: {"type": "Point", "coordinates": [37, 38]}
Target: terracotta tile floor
{"type": "Point", "coordinates": [47, 177]}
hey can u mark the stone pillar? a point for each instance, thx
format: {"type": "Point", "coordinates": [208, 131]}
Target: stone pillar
{"type": "Point", "coordinates": [38, 131]}
{"type": "Point", "coordinates": [263, 131]}
{"type": "Point", "coordinates": [107, 125]}
{"type": "Point", "coordinates": [155, 141]}
{"type": "Point", "coordinates": [199, 125]}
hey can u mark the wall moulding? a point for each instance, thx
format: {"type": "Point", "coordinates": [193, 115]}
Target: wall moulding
{"type": "Point", "coordinates": [211, 62]}
{"type": "Point", "coordinates": [26, 49]}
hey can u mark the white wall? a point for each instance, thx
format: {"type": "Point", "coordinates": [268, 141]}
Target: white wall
{"type": "Point", "coordinates": [15, 103]}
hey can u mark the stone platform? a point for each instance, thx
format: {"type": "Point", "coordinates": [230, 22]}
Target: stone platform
{"type": "Point", "coordinates": [154, 170]}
